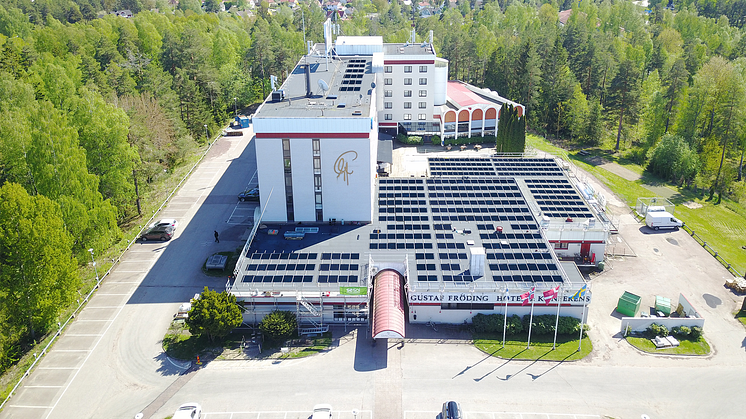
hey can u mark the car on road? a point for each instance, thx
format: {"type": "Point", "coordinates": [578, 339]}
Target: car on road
{"type": "Point", "coordinates": [188, 411]}
{"type": "Point", "coordinates": [162, 233]}
{"type": "Point", "coordinates": [249, 195]}
{"type": "Point", "coordinates": [322, 411]}
{"type": "Point", "coordinates": [165, 222]}
{"type": "Point", "coordinates": [451, 410]}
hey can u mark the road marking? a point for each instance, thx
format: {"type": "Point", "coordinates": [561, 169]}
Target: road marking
{"type": "Point", "coordinates": [82, 334]}
{"type": "Point", "coordinates": [103, 293]}
{"type": "Point", "coordinates": [93, 320]}
{"type": "Point", "coordinates": [59, 368]}
{"type": "Point", "coordinates": [28, 407]}
{"type": "Point", "coordinates": [42, 386]}
{"type": "Point", "coordinates": [71, 350]}
{"type": "Point", "coordinates": [103, 307]}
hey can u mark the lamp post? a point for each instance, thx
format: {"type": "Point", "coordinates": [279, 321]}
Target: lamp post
{"type": "Point", "coordinates": [207, 133]}
{"type": "Point", "coordinates": [94, 264]}
{"type": "Point", "coordinates": [235, 107]}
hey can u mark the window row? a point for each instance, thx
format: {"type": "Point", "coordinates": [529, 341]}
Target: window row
{"type": "Point", "coordinates": [407, 81]}
{"type": "Point", "coordinates": [407, 93]}
{"type": "Point", "coordinates": [407, 69]}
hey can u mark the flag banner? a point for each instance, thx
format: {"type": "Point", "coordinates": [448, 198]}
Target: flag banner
{"type": "Point", "coordinates": [551, 294]}
{"type": "Point", "coordinates": [581, 292]}
{"type": "Point", "coordinates": [529, 296]}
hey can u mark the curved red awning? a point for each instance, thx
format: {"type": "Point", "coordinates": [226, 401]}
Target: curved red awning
{"type": "Point", "coordinates": [388, 306]}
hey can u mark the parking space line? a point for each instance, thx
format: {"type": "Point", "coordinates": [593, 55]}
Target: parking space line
{"type": "Point", "coordinates": [83, 334]}
{"type": "Point", "coordinates": [28, 407]}
{"type": "Point", "coordinates": [71, 350]}
{"type": "Point", "coordinates": [43, 386]}
{"type": "Point", "coordinates": [92, 320]}
{"type": "Point", "coordinates": [59, 368]}
{"type": "Point", "coordinates": [104, 307]}
{"type": "Point", "coordinates": [102, 293]}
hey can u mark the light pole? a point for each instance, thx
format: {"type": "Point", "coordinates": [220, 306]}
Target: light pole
{"type": "Point", "coordinates": [235, 107]}
{"type": "Point", "coordinates": [207, 133]}
{"type": "Point", "coordinates": [94, 264]}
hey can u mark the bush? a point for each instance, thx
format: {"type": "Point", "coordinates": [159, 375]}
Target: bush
{"type": "Point", "coordinates": [278, 325]}
{"type": "Point", "coordinates": [467, 140]}
{"type": "Point", "coordinates": [409, 140]}
{"type": "Point", "coordinates": [542, 325]}
{"type": "Point", "coordinates": [681, 332]}
{"type": "Point", "coordinates": [695, 333]}
{"type": "Point", "coordinates": [435, 139]}
{"type": "Point", "coordinates": [656, 330]}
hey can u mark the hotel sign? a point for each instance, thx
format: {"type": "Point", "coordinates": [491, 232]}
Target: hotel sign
{"type": "Point", "coordinates": [353, 290]}
{"type": "Point", "coordinates": [342, 165]}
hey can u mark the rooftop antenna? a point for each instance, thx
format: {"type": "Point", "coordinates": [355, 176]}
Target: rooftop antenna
{"type": "Point", "coordinates": [324, 86]}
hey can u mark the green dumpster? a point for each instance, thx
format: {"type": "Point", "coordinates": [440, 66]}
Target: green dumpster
{"type": "Point", "coordinates": [663, 305]}
{"type": "Point", "coordinates": [629, 304]}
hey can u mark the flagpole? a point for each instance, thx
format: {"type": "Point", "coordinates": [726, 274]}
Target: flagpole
{"type": "Point", "coordinates": [531, 320]}
{"type": "Point", "coordinates": [582, 319]}
{"type": "Point", "coordinates": [505, 316]}
{"type": "Point", "coordinates": [556, 321]}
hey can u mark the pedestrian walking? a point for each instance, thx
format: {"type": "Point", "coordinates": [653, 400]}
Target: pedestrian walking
{"type": "Point", "coordinates": [217, 237]}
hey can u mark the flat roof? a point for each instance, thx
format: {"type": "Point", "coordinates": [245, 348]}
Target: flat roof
{"type": "Point", "coordinates": [392, 50]}
{"type": "Point", "coordinates": [350, 90]}
{"type": "Point", "coordinates": [432, 223]}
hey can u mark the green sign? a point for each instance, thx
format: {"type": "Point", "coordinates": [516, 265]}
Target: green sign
{"type": "Point", "coordinates": [353, 290]}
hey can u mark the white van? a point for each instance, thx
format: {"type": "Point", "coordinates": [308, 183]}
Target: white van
{"type": "Point", "coordinates": [662, 219]}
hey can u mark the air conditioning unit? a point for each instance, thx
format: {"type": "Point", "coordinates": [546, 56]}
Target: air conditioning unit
{"type": "Point", "coordinates": [278, 96]}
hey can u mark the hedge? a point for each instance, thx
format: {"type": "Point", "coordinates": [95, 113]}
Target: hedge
{"type": "Point", "coordinates": [541, 325]}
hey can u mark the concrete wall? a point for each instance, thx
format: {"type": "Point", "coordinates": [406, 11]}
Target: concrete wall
{"type": "Point", "coordinates": [640, 324]}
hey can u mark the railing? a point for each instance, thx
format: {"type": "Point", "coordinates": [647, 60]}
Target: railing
{"type": "Point", "coordinates": [712, 251]}
{"type": "Point", "coordinates": [98, 283]}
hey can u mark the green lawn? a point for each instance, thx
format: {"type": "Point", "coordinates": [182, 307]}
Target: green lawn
{"type": "Point", "coordinates": [230, 265]}
{"type": "Point", "coordinates": [686, 347]}
{"type": "Point", "coordinates": [318, 345]}
{"type": "Point", "coordinates": [722, 226]}
{"type": "Point", "coordinates": [540, 349]}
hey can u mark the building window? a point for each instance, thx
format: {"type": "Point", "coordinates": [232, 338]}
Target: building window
{"type": "Point", "coordinates": [423, 93]}
{"type": "Point", "coordinates": [407, 105]}
{"type": "Point", "coordinates": [388, 117]}
{"type": "Point", "coordinates": [559, 246]}
{"type": "Point", "coordinates": [387, 69]}
{"type": "Point", "coordinates": [407, 68]}
{"type": "Point", "coordinates": [317, 163]}
{"type": "Point", "coordinates": [423, 69]}
{"type": "Point", "coordinates": [423, 105]}
{"type": "Point", "coordinates": [387, 105]}
{"type": "Point", "coordinates": [387, 82]}
{"type": "Point", "coordinates": [316, 147]}
{"type": "Point", "coordinates": [422, 116]}
{"type": "Point", "coordinates": [407, 93]}
{"type": "Point", "coordinates": [317, 181]}
{"type": "Point", "coordinates": [423, 81]}
{"type": "Point", "coordinates": [288, 179]}
{"type": "Point", "coordinates": [407, 116]}
{"type": "Point", "coordinates": [388, 93]}
{"type": "Point", "coordinates": [407, 82]}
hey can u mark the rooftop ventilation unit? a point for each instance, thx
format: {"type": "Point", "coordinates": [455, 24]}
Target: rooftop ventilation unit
{"type": "Point", "coordinates": [278, 96]}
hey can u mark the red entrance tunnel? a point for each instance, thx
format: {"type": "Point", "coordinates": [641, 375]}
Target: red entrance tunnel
{"type": "Point", "coordinates": [388, 305]}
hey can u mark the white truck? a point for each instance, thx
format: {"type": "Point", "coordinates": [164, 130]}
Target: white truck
{"type": "Point", "coordinates": [662, 219]}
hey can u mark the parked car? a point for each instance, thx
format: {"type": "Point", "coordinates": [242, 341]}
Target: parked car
{"type": "Point", "coordinates": [322, 411]}
{"type": "Point", "coordinates": [165, 222]}
{"type": "Point", "coordinates": [158, 233]}
{"type": "Point", "coordinates": [451, 410]}
{"type": "Point", "coordinates": [249, 195]}
{"type": "Point", "coordinates": [188, 411]}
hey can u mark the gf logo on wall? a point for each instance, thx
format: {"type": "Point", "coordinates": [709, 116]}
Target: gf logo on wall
{"type": "Point", "coordinates": [342, 165]}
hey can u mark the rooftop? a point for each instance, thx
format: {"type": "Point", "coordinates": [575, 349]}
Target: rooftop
{"type": "Point", "coordinates": [340, 88]}
{"type": "Point", "coordinates": [432, 223]}
{"type": "Point", "coordinates": [391, 50]}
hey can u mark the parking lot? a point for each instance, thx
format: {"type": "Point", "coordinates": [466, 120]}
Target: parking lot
{"type": "Point", "coordinates": [110, 364]}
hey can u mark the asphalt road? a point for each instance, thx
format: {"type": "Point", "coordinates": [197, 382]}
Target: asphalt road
{"type": "Point", "coordinates": [109, 362]}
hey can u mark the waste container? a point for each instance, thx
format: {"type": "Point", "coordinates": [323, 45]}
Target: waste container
{"type": "Point", "coordinates": [629, 304]}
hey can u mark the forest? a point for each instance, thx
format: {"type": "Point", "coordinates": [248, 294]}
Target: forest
{"type": "Point", "coordinates": [96, 109]}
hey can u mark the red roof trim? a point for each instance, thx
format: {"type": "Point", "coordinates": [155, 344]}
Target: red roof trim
{"type": "Point", "coordinates": [395, 62]}
{"type": "Point", "coordinates": [278, 135]}
{"type": "Point", "coordinates": [387, 124]}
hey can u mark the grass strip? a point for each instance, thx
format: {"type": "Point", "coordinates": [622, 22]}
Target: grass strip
{"type": "Point", "coordinates": [686, 347]}
{"type": "Point", "coordinates": [540, 349]}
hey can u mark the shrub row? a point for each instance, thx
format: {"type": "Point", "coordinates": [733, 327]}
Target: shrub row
{"type": "Point", "coordinates": [541, 325]}
{"type": "Point", "coordinates": [680, 332]}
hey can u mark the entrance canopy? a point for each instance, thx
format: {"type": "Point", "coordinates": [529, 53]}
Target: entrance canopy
{"type": "Point", "coordinates": [388, 306]}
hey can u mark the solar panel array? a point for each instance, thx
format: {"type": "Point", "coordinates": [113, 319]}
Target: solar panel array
{"type": "Point", "coordinates": [557, 198]}
{"type": "Point", "coordinates": [494, 166]}
{"type": "Point", "coordinates": [518, 253]}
